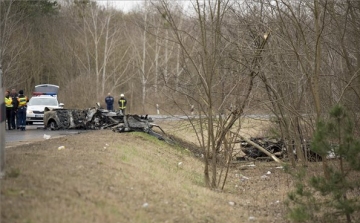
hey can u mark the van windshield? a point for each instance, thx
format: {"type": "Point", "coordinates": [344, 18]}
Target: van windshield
{"type": "Point", "coordinates": [43, 101]}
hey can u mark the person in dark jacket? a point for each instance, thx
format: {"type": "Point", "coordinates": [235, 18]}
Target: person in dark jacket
{"type": "Point", "coordinates": [109, 100]}
{"type": "Point", "coordinates": [23, 100]}
{"type": "Point", "coordinates": [9, 109]}
{"type": "Point", "coordinates": [122, 104]}
{"type": "Point", "coordinates": [14, 117]}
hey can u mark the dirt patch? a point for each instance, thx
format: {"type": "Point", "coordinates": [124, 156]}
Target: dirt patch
{"type": "Point", "coordinates": [102, 176]}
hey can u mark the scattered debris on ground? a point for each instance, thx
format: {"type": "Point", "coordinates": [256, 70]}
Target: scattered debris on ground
{"type": "Point", "coordinates": [103, 176]}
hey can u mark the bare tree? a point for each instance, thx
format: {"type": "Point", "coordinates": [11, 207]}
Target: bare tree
{"type": "Point", "coordinates": [205, 68]}
{"type": "Point", "coordinates": [103, 57]}
{"type": "Point", "coordinates": [11, 28]}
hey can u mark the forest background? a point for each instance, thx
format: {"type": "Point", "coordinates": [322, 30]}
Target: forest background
{"type": "Point", "coordinates": [290, 60]}
{"type": "Point", "coordinates": [89, 50]}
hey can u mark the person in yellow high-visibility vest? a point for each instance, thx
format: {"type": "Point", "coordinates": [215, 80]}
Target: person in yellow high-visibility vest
{"type": "Point", "coordinates": [23, 100]}
{"type": "Point", "coordinates": [9, 108]}
{"type": "Point", "coordinates": [14, 116]}
{"type": "Point", "coordinates": [122, 104]}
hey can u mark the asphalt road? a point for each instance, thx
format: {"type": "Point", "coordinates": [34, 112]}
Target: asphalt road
{"type": "Point", "coordinates": [34, 133]}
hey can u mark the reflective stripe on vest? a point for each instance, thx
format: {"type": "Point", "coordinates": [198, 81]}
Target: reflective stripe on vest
{"type": "Point", "coordinates": [122, 104]}
{"type": "Point", "coordinates": [22, 101]}
{"type": "Point", "coordinates": [8, 102]}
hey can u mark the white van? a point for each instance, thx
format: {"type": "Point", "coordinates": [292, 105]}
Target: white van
{"type": "Point", "coordinates": [45, 95]}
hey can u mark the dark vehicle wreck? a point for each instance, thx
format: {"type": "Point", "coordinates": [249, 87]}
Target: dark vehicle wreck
{"type": "Point", "coordinates": [96, 118]}
{"type": "Point", "coordinates": [91, 118]}
{"type": "Point", "coordinates": [273, 146]}
{"type": "Point", "coordinates": [276, 147]}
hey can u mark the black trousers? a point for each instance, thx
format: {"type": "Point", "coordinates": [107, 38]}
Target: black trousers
{"type": "Point", "coordinates": [9, 113]}
{"type": "Point", "coordinates": [13, 119]}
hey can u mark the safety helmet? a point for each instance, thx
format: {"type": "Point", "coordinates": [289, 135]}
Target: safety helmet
{"type": "Point", "coordinates": [122, 95]}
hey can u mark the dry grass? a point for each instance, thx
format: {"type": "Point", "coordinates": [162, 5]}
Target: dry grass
{"type": "Point", "coordinates": [103, 176]}
{"type": "Point", "coordinates": [250, 127]}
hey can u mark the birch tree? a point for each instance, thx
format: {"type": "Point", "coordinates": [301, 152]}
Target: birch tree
{"type": "Point", "coordinates": [10, 52]}
{"type": "Point", "coordinates": [17, 35]}
{"type": "Point", "coordinates": [103, 56]}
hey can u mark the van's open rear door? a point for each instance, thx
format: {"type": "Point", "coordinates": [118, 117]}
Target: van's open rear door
{"type": "Point", "coordinates": [47, 88]}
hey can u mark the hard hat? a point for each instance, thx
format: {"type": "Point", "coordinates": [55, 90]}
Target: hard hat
{"type": "Point", "coordinates": [122, 95]}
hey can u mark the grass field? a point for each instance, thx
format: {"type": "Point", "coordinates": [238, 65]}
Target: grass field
{"type": "Point", "coordinates": [102, 176]}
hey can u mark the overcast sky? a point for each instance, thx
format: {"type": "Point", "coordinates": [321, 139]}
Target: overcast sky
{"type": "Point", "coordinates": [127, 5]}
{"type": "Point", "coordinates": [124, 5]}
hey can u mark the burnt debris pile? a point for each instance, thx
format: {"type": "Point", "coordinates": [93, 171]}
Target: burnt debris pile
{"type": "Point", "coordinates": [140, 124]}
{"type": "Point", "coordinates": [276, 147]}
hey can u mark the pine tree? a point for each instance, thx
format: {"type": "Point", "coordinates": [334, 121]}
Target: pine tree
{"type": "Point", "coordinates": [334, 198]}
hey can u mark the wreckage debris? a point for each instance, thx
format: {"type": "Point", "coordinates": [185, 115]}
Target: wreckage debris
{"type": "Point", "coordinates": [140, 124]}
{"type": "Point", "coordinates": [97, 118]}
{"type": "Point", "coordinates": [61, 147]}
{"type": "Point", "coordinates": [274, 146]}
